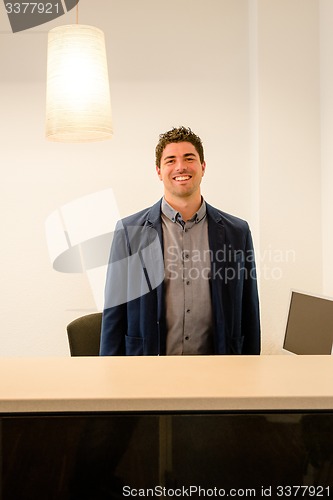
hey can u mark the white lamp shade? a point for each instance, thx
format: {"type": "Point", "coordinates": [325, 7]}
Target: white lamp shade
{"type": "Point", "coordinates": [78, 107]}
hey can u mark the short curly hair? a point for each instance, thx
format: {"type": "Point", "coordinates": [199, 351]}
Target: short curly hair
{"type": "Point", "coordinates": [180, 134]}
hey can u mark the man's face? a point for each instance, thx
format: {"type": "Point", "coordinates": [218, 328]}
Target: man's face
{"type": "Point", "coordinates": [180, 170]}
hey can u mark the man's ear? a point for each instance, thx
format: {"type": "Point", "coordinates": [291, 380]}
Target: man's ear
{"type": "Point", "coordinates": [203, 166]}
{"type": "Point", "coordinates": [158, 170]}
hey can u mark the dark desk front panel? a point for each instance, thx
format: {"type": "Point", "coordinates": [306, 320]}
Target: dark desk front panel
{"type": "Point", "coordinates": [111, 456]}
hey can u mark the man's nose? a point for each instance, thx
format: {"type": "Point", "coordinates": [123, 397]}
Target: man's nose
{"type": "Point", "coordinates": [180, 165]}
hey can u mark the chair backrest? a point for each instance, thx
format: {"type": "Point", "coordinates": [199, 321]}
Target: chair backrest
{"type": "Point", "coordinates": [84, 335]}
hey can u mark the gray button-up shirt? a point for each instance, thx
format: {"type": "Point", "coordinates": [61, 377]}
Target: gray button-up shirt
{"type": "Point", "coordinates": [187, 266]}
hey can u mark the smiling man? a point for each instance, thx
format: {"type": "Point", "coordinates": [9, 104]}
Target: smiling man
{"type": "Point", "coordinates": [181, 169]}
{"type": "Point", "coordinates": [181, 277]}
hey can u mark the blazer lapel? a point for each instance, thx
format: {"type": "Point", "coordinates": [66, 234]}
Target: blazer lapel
{"type": "Point", "coordinates": [217, 245]}
{"type": "Point", "coordinates": [154, 225]}
{"type": "Point", "coordinates": [154, 220]}
{"type": "Point", "coordinates": [216, 234]}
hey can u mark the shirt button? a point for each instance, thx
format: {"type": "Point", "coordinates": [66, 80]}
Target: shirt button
{"type": "Point", "coordinates": [188, 310]}
{"type": "Point", "coordinates": [187, 282]}
{"type": "Point", "coordinates": [187, 338]}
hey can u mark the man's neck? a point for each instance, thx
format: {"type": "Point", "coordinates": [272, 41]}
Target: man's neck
{"type": "Point", "coordinates": [187, 207]}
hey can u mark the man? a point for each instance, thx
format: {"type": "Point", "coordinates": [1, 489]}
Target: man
{"type": "Point", "coordinates": [181, 277]}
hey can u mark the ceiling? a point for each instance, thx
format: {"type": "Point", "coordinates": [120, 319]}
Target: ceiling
{"type": "Point", "coordinates": [146, 39]}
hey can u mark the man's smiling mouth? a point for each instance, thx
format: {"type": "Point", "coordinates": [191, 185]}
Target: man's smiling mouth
{"type": "Point", "coordinates": [182, 177]}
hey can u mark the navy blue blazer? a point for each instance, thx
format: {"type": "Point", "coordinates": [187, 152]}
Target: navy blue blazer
{"type": "Point", "coordinates": [133, 320]}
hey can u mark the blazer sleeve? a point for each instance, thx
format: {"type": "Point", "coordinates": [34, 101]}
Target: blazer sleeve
{"type": "Point", "coordinates": [250, 303]}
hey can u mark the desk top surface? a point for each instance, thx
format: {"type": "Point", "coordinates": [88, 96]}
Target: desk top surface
{"type": "Point", "coordinates": [180, 383]}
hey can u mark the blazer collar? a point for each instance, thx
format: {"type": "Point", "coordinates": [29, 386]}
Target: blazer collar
{"type": "Point", "coordinates": [154, 214]}
{"type": "Point", "coordinates": [214, 214]}
{"type": "Point", "coordinates": [216, 230]}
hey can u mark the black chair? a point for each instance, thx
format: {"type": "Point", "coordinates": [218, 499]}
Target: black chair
{"type": "Point", "coordinates": [84, 335]}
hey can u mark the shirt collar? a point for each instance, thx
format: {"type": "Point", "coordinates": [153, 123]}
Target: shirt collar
{"type": "Point", "coordinates": [174, 216]}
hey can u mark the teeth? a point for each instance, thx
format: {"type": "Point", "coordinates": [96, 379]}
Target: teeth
{"type": "Point", "coordinates": [182, 178]}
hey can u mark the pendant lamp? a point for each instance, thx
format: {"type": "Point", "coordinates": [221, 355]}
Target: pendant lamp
{"type": "Point", "coordinates": [78, 107]}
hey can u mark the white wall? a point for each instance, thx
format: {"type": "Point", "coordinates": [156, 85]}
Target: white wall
{"type": "Point", "coordinates": [326, 110]}
{"type": "Point", "coordinates": [289, 158]}
{"type": "Point", "coordinates": [243, 75]}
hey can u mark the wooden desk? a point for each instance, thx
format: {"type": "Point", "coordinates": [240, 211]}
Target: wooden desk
{"type": "Point", "coordinates": [73, 428]}
{"type": "Point", "coordinates": [164, 384]}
